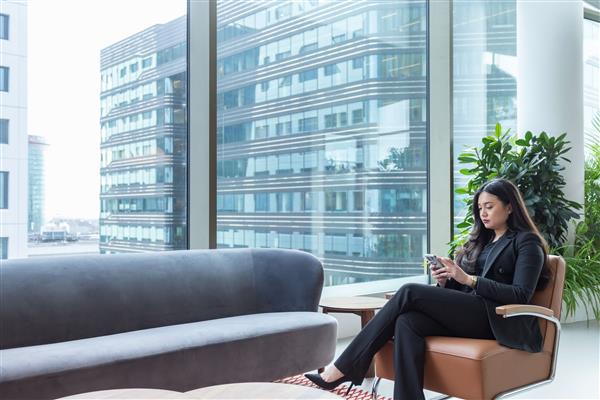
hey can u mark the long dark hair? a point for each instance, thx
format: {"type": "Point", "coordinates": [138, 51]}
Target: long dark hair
{"type": "Point", "coordinates": [518, 221]}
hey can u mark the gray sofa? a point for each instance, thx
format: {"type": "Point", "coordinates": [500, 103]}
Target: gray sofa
{"type": "Point", "coordinates": [175, 320]}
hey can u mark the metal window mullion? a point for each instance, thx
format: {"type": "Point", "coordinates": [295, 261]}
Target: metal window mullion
{"type": "Point", "coordinates": [440, 126]}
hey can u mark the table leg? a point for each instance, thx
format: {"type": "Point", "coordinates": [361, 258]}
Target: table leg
{"type": "Point", "coordinates": [365, 317]}
{"type": "Point", "coordinates": [320, 370]}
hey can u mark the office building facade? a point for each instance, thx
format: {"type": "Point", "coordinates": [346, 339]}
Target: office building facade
{"type": "Point", "coordinates": [13, 129]}
{"type": "Point", "coordinates": [37, 183]}
{"type": "Point", "coordinates": [143, 141]}
{"type": "Point", "coordinates": [322, 133]}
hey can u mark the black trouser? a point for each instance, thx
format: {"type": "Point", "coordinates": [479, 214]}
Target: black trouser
{"type": "Point", "coordinates": [415, 311]}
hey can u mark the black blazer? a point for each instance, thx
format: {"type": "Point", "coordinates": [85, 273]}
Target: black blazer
{"type": "Point", "coordinates": [510, 276]}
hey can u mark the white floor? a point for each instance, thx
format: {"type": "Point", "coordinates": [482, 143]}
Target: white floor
{"type": "Point", "coordinates": [578, 370]}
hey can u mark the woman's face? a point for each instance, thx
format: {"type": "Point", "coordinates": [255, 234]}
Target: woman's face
{"type": "Point", "coordinates": [493, 212]}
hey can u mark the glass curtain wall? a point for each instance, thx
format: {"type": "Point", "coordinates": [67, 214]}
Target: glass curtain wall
{"type": "Point", "coordinates": [321, 129]}
{"type": "Point", "coordinates": [591, 77]}
{"type": "Point", "coordinates": [484, 74]}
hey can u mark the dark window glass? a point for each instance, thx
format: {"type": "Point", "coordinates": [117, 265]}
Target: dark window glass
{"type": "Point", "coordinates": [4, 79]}
{"type": "Point", "coordinates": [4, 26]}
{"type": "Point", "coordinates": [331, 69]}
{"type": "Point", "coordinates": [3, 190]}
{"type": "Point", "coordinates": [308, 75]}
{"type": "Point", "coordinates": [3, 131]}
{"type": "Point", "coordinates": [261, 202]}
{"type": "Point", "coordinates": [3, 248]}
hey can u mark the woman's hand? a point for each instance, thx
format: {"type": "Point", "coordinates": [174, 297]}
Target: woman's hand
{"type": "Point", "coordinates": [451, 270]}
{"type": "Point", "coordinates": [438, 273]}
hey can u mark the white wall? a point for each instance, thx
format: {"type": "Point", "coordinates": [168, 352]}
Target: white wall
{"type": "Point", "coordinates": [13, 106]}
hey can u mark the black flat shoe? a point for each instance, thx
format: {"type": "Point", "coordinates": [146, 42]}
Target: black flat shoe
{"type": "Point", "coordinates": [317, 380]}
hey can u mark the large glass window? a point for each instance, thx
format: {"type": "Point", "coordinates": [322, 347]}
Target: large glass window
{"type": "Point", "coordinates": [484, 67]}
{"type": "Point", "coordinates": [322, 133]}
{"type": "Point", "coordinates": [591, 77]}
{"type": "Point", "coordinates": [108, 172]}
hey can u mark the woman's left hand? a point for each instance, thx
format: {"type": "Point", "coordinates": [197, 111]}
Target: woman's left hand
{"type": "Point", "coordinates": [452, 270]}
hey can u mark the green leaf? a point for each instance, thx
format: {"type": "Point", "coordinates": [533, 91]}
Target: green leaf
{"type": "Point", "coordinates": [465, 159]}
{"type": "Point", "coordinates": [498, 130]}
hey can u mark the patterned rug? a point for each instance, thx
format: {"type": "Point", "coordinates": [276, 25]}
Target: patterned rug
{"type": "Point", "coordinates": [357, 393]}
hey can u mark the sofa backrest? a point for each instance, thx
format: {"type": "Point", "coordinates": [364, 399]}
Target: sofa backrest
{"type": "Point", "coordinates": [55, 299]}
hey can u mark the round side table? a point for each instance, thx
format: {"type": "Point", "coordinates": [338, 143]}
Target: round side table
{"type": "Point", "coordinates": [260, 390]}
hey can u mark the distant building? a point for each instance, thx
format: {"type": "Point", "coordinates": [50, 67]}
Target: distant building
{"type": "Point", "coordinates": [37, 188]}
{"type": "Point", "coordinates": [53, 232]}
{"type": "Point", "coordinates": [13, 129]}
{"type": "Point", "coordinates": [143, 143]}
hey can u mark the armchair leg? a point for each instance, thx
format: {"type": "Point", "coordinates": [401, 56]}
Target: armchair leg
{"type": "Point", "coordinates": [441, 397]}
{"type": "Point", "coordinates": [377, 380]}
{"type": "Point", "coordinates": [374, 387]}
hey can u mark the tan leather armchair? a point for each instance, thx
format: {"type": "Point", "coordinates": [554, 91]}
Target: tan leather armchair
{"type": "Point", "coordinates": [483, 369]}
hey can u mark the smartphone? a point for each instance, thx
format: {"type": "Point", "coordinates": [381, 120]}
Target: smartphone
{"type": "Point", "coordinates": [433, 261]}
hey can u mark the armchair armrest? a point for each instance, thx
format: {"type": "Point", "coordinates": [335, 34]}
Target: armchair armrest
{"type": "Point", "coordinates": [516, 310]}
{"type": "Point", "coordinates": [510, 309]}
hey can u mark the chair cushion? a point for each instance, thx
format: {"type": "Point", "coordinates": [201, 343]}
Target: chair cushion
{"type": "Point", "coordinates": [258, 347]}
{"type": "Point", "coordinates": [477, 368]}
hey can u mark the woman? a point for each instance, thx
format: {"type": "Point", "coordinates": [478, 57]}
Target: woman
{"type": "Point", "coordinates": [503, 262]}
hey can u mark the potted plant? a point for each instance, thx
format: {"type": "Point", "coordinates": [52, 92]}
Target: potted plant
{"type": "Point", "coordinates": [582, 284]}
{"type": "Point", "coordinates": [532, 162]}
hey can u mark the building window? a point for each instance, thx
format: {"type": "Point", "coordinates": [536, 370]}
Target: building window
{"type": "Point", "coordinates": [307, 75]}
{"type": "Point", "coordinates": [3, 189]}
{"type": "Point", "coordinates": [3, 248]}
{"type": "Point", "coordinates": [3, 79]}
{"type": "Point", "coordinates": [4, 26]}
{"type": "Point", "coordinates": [3, 131]}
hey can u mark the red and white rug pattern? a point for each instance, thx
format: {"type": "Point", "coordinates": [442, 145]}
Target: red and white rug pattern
{"type": "Point", "coordinates": [356, 393]}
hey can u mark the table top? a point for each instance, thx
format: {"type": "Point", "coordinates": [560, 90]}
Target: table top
{"type": "Point", "coordinates": [260, 390]}
{"type": "Point", "coordinates": [247, 390]}
{"type": "Point", "coordinates": [357, 303]}
{"type": "Point", "coordinates": [129, 394]}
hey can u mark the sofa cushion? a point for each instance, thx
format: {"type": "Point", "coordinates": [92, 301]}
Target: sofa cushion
{"type": "Point", "coordinates": [173, 357]}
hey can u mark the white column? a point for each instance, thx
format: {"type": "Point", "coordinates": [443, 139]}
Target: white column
{"type": "Point", "coordinates": [202, 129]}
{"type": "Point", "coordinates": [550, 78]}
{"type": "Point", "coordinates": [440, 126]}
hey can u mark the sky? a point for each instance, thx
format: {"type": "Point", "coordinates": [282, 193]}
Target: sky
{"type": "Point", "coordinates": [64, 42]}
